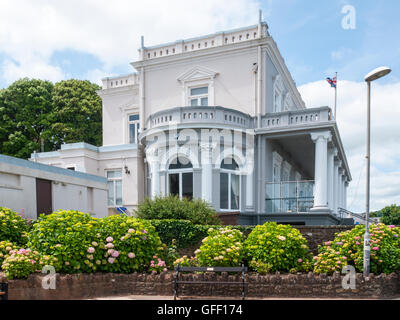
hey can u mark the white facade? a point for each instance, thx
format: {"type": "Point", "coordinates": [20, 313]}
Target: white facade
{"type": "Point", "coordinates": [227, 108]}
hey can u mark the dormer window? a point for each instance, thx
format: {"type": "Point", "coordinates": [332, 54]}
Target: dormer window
{"type": "Point", "coordinates": [198, 96]}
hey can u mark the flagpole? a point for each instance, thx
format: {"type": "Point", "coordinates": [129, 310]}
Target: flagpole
{"type": "Point", "coordinates": [336, 94]}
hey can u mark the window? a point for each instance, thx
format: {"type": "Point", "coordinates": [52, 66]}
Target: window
{"type": "Point", "coordinates": [229, 185]}
{"type": "Point", "coordinates": [180, 178]}
{"type": "Point", "coordinates": [114, 188]}
{"type": "Point", "coordinates": [71, 168]}
{"type": "Point", "coordinates": [198, 96]}
{"type": "Point", "coordinates": [133, 124]}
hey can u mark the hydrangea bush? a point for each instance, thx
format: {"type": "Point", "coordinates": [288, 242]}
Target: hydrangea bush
{"type": "Point", "coordinates": [21, 263]}
{"type": "Point", "coordinates": [82, 243]}
{"type": "Point", "coordinates": [221, 248]}
{"type": "Point", "coordinates": [128, 244]}
{"type": "Point", "coordinates": [273, 247]}
{"type": "Point", "coordinates": [12, 226]}
{"type": "Point", "coordinates": [66, 235]}
{"type": "Point", "coordinates": [347, 249]}
{"type": "Point", "coordinates": [5, 248]}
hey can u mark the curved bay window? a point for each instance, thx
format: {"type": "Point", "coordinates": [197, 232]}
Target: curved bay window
{"type": "Point", "coordinates": [180, 178]}
{"type": "Point", "coordinates": [229, 185]}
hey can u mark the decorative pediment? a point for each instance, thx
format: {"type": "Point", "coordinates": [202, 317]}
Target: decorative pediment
{"type": "Point", "coordinates": [197, 73]}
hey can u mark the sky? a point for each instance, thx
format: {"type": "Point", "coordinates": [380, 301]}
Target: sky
{"type": "Point", "coordinates": [92, 39]}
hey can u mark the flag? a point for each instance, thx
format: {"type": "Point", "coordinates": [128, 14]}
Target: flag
{"type": "Point", "coordinates": [332, 82]}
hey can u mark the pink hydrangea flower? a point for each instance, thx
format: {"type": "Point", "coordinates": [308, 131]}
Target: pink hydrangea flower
{"type": "Point", "coordinates": [90, 250]}
{"type": "Point", "coordinates": [131, 255]}
{"type": "Point", "coordinates": [165, 270]}
{"type": "Point", "coordinates": [131, 230]}
{"type": "Point", "coordinates": [115, 254]}
{"type": "Point", "coordinates": [300, 260]}
{"type": "Point", "coordinates": [328, 243]}
{"type": "Point", "coordinates": [111, 260]}
{"type": "Point", "coordinates": [109, 239]}
{"type": "Point", "coordinates": [375, 248]}
{"type": "Point", "coordinates": [109, 246]}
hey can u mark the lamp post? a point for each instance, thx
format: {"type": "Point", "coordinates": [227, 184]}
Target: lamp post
{"type": "Point", "coordinates": [372, 76]}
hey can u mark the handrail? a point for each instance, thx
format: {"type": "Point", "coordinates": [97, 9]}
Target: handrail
{"type": "Point", "coordinates": [357, 215]}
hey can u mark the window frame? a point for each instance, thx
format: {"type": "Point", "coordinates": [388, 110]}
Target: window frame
{"type": "Point", "coordinates": [231, 172]}
{"type": "Point", "coordinates": [136, 123]}
{"type": "Point", "coordinates": [180, 173]}
{"type": "Point", "coordinates": [198, 97]}
{"type": "Point", "coordinates": [114, 180]}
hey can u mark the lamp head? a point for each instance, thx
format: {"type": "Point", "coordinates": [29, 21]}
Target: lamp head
{"type": "Point", "coordinates": [377, 73]}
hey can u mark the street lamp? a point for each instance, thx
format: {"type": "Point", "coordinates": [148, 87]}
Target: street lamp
{"type": "Point", "coordinates": [372, 76]}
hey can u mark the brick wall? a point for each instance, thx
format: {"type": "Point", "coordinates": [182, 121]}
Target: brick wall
{"type": "Point", "coordinates": [84, 286]}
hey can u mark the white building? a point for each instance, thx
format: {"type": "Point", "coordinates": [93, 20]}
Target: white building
{"type": "Point", "coordinates": [34, 188]}
{"type": "Point", "coordinates": [226, 106]}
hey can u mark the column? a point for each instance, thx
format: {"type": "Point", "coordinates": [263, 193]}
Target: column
{"type": "Point", "coordinates": [321, 170]}
{"type": "Point", "coordinates": [340, 202]}
{"type": "Point", "coordinates": [346, 185]}
{"type": "Point", "coordinates": [206, 174]}
{"type": "Point", "coordinates": [155, 178]}
{"type": "Point", "coordinates": [337, 164]}
{"type": "Point", "coordinates": [249, 185]}
{"type": "Point", "coordinates": [331, 156]}
{"type": "Point", "coordinates": [154, 165]}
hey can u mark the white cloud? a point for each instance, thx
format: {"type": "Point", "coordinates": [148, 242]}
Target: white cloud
{"type": "Point", "coordinates": [385, 136]}
{"type": "Point", "coordinates": [110, 30]}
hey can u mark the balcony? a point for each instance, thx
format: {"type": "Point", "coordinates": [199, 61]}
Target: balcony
{"type": "Point", "coordinates": [216, 115]}
{"type": "Point", "coordinates": [296, 118]}
{"type": "Point", "coordinates": [200, 115]}
{"type": "Point", "coordinates": [289, 196]}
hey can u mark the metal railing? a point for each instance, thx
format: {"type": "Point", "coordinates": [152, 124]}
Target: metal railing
{"type": "Point", "coordinates": [361, 216]}
{"type": "Point", "coordinates": [289, 196]}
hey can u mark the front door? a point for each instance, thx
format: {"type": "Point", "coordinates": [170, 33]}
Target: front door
{"type": "Point", "coordinates": [44, 202]}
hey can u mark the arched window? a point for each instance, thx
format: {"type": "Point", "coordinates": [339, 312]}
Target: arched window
{"type": "Point", "coordinates": [229, 185]}
{"type": "Point", "coordinates": [180, 178]}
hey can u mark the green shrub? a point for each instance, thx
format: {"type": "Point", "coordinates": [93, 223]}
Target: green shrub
{"type": "Point", "coordinates": [5, 248]}
{"type": "Point", "coordinates": [347, 249]}
{"type": "Point", "coordinates": [23, 262]}
{"type": "Point", "coordinates": [184, 232]}
{"type": "Point", "coordinates": [66, 235]}
{"type": "Point", "coordinates": [223, 247]}
{"type": "Point", "coordinates": [197, 211]}
{"type": "Point", "coordinates": [12, 227]}
{"type": "Point", "coordinates": [128, 245]}
{"type": "Point", "coordinates": [277, 248]}
{"type": "Point", "coordinates": [82, 243]}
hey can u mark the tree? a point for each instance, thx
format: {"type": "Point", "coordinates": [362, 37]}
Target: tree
{"type": "Point", "coordinates": [25, 108]}
{"type": "Point", "coordinates": [36, 115]}
{"type": "Point", "coordinates": [389, 215]}
{"type": "Point", "coordinates": [77, 113]}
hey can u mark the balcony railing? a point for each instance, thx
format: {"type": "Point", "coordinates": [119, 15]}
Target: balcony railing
{"type": "Point", "coordinates": [295, 118]}
{"type": "Point", "coordinates": [202, 115]}
{"type": "Point", "coordinates": [289, 196]}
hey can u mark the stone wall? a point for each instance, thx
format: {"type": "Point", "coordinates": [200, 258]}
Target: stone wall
{"type": "Point", "coordinates": [316, 235]}
{"type": "Point", "coordinates": [85, 286]}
